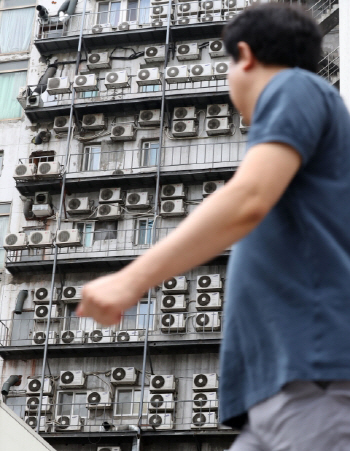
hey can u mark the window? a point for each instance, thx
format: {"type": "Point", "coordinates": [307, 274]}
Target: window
{"type": "Point", "coordinates": [86, 229]}
{"type": "Point", "coordinates": [91, 158]}
{"type": "Point", "coordinates": [72, 322]}
{"type": "Point", "coordinates": [4, 221]}
{"type": "Point", "coordinates": [144, 231]}
{"type": "Point", "coordinates": [72, 403]}
{"type": "Point", "coordinates": [135, 318]}
{"type": "Point", "coordinates": [149, 153]}
{"type": "Point", "coordinates": [88, 94]}
{"type": "Point", "coordinates": [13, 75]}
{"type": "Point", "coordinates": [128, 402]}
{"type": "Point", "coordinates": [150, 88]}
{"type": "Point", "coordinates": [106, 230]}
{"type": "Point", "coordinates": [16, 25]}
{"type": "Point", "coordinates": [109, 12]}
{"type": "Point", "coordinates": [17, 404]}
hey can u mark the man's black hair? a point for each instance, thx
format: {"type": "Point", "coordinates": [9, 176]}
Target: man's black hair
{"type": "Point", "coordinates": [277, 34]}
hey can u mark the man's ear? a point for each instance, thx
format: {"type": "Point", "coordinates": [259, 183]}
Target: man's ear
{"type": "Point", "coordinates": [246, 56]}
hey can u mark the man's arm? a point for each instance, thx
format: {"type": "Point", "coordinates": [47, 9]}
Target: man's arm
{"type": "Point", "coordinates": [223, 219]}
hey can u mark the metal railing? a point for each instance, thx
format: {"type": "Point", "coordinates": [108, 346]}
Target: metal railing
{"type": "Point", "coordinates": [329, 66]}
{"type": "Point", "coordinates": [322, 7]}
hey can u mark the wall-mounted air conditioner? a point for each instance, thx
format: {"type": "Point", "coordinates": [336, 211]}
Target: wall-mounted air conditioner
{"type": "Point", "coordinates": [186, 52]}
{"type": "Point", "coordinates": [42, 238]}
{"type": "Point", "coordinates": [94, 121]}
{"type": "Point", "coordinates": [161, 421]}
{"type": "Point", "coordinates": [234, 5]}
{"type": "Point", "coordinates": [221, 70]}
{"type": "Point", "coordinates": [98, 60]}
{"type": "Point", "coordinates": [61, 123]}
{"type": "Point", "coordinates": [177, 74]}
{"type": "Point", "coordinates": [211, 17]}
{"type": "Point", "coordinates": [72, 379]}
{"type": "Point", "coordinates": [32, 404]}
{"type": "Point", "coordinates": [42, 295]}
{"type": "Point", "coordinates": [78, 206]}
{"type": "Point", "coordinates": [34, 386]}
{"type": "Point", "coordinates": [58, 85]}
{"type": "Point", "coordinates": [49, 169]}
{"type": "Point", "coordinates": [69, 237]}
{"type": "Point", "coordinates": [158, 11]}
{"type": "Point", "coordinates": [205, 382]}
{"type": "Point", "coordinates": [155, 53]}
{"type": "Point", "coordinates": [162, 383]}
{"type": "Point", "coordinates": [127, 335]}
{"type": "Point", "coordinates": [208, 322]}
{"type": "Point", "coordinates": [216, 48]}
{"type": "Point", "coordinates": [109, 195]}
{"type": "Point", "coordinates": [34, 101]}
{"type": "Point", "coordinates": [174, 207]}
{"type": "Point", "coordinates": [149, 117]}
{"type": "Point", "coordinates": [137, 200]}
{"type": "Point", "coordinates": [86, 82]}
{"type": "Point", "coordinates": [209, 282]}
{"type": "Point", "coordinates": [173, 323]}
{"type": "Point", "coordinates": [101, 28]}
{"type": "Point", "coordinates": [174, 302]}
{"type": "Point", "coordinates": [205, 401]}
{"type": "Point", "coordinates": [124, 376]}
{"type": "Point", "coordinates": [230, 15]}
{"type": "Point", "coordinates": [72, 337]}
{"type": "Point", "coordinates": [68, 423]}
{"type": "Point", "coordinates": [42, 204]}
{"type": "Point", "coordinates": [218, 110]}
{"type": "Point", "coordinates": [117, 79]}
{"type": "Point", "coordinates": [98, 400]}
{"type": "Point", "coordinates": [109, 448]}
{"type": "Point", "coordinates": [32, 421]}
{"type": "Point", "coordinates": [204, 420]}
{"type": "Point", "coordinates": [212, 186]}
{"type": "Point", "coordinates": [107, 212]}
{"type": "Point", "coordinates": [158, 2]}
{"type": "Point", "coordinates": [188, 112]}
{"type": "Point", "coordinates": [187, 20]}
{"type": "Point", "coordinates": [128, 25]}
{"type": "Point", "coordinates": [158, 22]}
{"type": "Point", "coordinates": [217, 126]}
{"type": "Point", "coordinates": [101, 336]}
{"type": "Point", "coordinates": [149, 76]}
{"type": "Point", "coordinates": [184, 128]}
{"type": "Point", "coordinates": [25, 171]}
{"type": "Point", "coordinates": [123, 132]}
{"type": "Point", "coordinates": [187, 8]}
{"type": "Point", "coordinates": [174, 191]}
{"type": "Point", "coordinates": [175, 285]}
{"type": "Point", "coordinates": [72, 293]}
{"type": "Point", "coordinates": [161, 402]}
{"type": "Point", "coordinates": [243, 126]}
{"type": "Point", "coordinates": [14, 241]}
{"type": "Point", "coordinates": [209, 301]}
{"type": "Point", "coordinates": [40, 337]}
{"type": "Point", "coordinates": [211, 6]}
{"type": "Point", "coordinates": [41, 313]}
{"type": "Point", "coordinates": [201, 72]}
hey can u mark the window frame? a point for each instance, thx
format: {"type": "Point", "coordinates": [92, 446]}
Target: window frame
{"type": "Point", "coordinates": [147, 230]}
{"type": "Point", "coordinates": [133, 390]}
{"type": "Point", "coordinates": [73, 403]}
{"type": "Point", "coordinates": [149, 149]}
{"type": "Point", "coordinates": [10, 71]}
{"type": "Point", "coordinates": [88, 156]}
{"type": "Point", "coordinates": [151, 327]}
{"type": "Point", "coordinates": [84, 223]}
{"type": "Point", "coordinates": [8, 215]}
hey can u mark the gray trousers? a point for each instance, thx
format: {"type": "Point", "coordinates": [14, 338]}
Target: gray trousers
{"type": "Point", "coordinates": [301, 417]}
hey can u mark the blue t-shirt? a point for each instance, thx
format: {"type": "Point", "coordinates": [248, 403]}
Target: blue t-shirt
{"type": "Point", "coordinates": [287, 312]}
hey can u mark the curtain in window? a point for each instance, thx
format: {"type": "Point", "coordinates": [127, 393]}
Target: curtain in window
{"type": "Point", "coordinates": [4, 220]}
{"type": "Point", "coordinates": [16, 29]}
{"type": "Point", "coordinates": [105, 230]}
{"type": "Point", "coordinates": [144, 11]}
{"type": "Point", "coordinates": [9, 88]}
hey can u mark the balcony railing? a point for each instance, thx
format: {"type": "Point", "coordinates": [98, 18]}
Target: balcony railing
{"type": "Point", "coordinates": [329, 66]}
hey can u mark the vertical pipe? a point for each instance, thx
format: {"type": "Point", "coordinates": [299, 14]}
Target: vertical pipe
{"type": "Point", "coordinates": [59, 216]}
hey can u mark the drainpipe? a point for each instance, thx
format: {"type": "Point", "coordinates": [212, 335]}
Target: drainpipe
{"type": "Point", "coordinates": [42, 85]}
{"type": "Point", "coordinates": [22, 296]}
{"type": "Point", "coordinates": [12, 380]}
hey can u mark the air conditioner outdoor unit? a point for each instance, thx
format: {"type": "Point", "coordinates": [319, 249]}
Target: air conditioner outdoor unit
{"type": "Point", "coordinates": [58, 85]}
{"type": "Point", "coordinates": [86, 82]}
{"type": "Point", "coordinates": [25, 171]}
{"type": "Point", "coordinates": [42, 295]}
{"type": "Point", "coordinates": [188, 112]}
{"type": "Point", "coordinates": [78, 206]}
{"type": "Point", "coordinates": [42, 204]}
{"type": "Point", "coordinates": [211, 6]}
{"type": "Point", "coordinates": [161, 421]}
{"type": "Point", "coordinates": [98, 400]}
{"type": "Point", "coordinates": [187, 8]}
{"type": "Point", "coordinates": [71, 293]}
{"type": "Point", "coordinates": [101, 28]}
{"type": "Point", "coordinates": [161, 402]}
{"type": "Point", "coordinates": [109, 448]}
{"type": "Point", "coordinates": [42, 238]}
{"type": "Point", "coordinates": [174, 302]}
{"type": "Point", "coordinates": [204, 420]}
{"type": "Point", "coordinates": [211, 17]}
{"type": "Point", "coordinates": [49, 169]}
{"type": "Point", "coordinates": [22, 96]}
{"type": "Point", "coordinates": [34, 386]}
{"type": "Point", "coordinates": [221, 70]}
{"type": "Point", "coordinates": [149, 76]}
{"type": "Point", "coordinates": [208, 322]}
{"type": "Point", "coordinates": [162, 383]}
{"type": "Point", "coordinates": [236, 4]}
{"type": "Point", "coordinates": [174, 207]}
{"type": "Point", "coordinates": [218, 110]}
{"type": "Point", "coordinates": [34, 101]}
{"type": "Point", "coordinates": [212, 186]}
{"type": "Point", "coordinates": [173, 322]}
{"type": "Point", "coordinates": [123, 132]}
{"type": "Point", "coordinates": [94, 121]}
{"type": "Point", "coordinates": [14, 241]}
{"type": "Point", "coordinates": [61, 123]}
{"type": "Point", "coordinates": [155, 53]}
{"type": "Point", "coordinates": [128, 25]}
{"type": "Point", "coordinates": [209, 301]}
{"type": "Point", "coordinates": [68, 423]}
{"type": "Point", "coordinates": [230, 15]}
{"type": "Point", "coordinates": [32, 421]}
{"type": "Point", "coordinates": [137, 200]}
{"type": "Point", "coordinates": [158, 2]}
{"type": "Point", "coordinates": [107, 212]}
{"type": "Point", "coordinates": [160, 11]}
{"type": "Point", "coordinates": [117, 79]}
{"type": "Point", "coordinates": [177, 74]}
{"type": "Point", "coordinates": [217, 126]}
{"type": "Point", "coordinates": [216, 49]}
{"type": "Point", "coordinates": [32, 404]}
{"type": "Point", "coordinates": [98, 60]}
{"type": "Point", "coordinates": [205, 401]}
{"type": "Point", "coordinates": [40, 337]}
{"type": "Point", "coordinates": [41, 313]}
{"type": "Point", "coordinates": [210, 282]}
{"type": "Point", "coordinates": [123, 376]}
{"type": "Point", "coordinates": [175, 285]}
{"type": "Point", "coordinates": [187, 20]}
{"type": "Point", "coordinates": [101, 336]}
{"type": "Point", "coordinates": [109, 195]}
{"type": "Point", "coordinates": [243, 126]}
{"type": "Point", "coordinates": [158, 23]}
{"type": "Point", "coordinates": [127, 335]}
{"type": "Point", "coordinates": [69, 237]}
{"type": "Point", "coordinates": [72, 337]}
{"type": "Point", "coordinates": [184, 128]}
{"type": "Point", "coordinates": [174, 191]}
{"type": "Point", "coordinates": [201, 72]}
{"type": "Point", "coordinates": [205, 382]}
{"type": "Point", "coordinates": [187, 52]}
{"type": "Point", "coordinates": [149, 117]}
{"type": "Point", "coordinates": [72, 379]}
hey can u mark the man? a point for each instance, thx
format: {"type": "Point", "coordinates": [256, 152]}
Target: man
{"type": "Point", "coordinates": [285, 357]}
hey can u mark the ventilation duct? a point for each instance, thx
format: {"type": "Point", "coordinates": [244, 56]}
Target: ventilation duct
{"type": "Point", "coordinates": [42, 12]}
{"type": "Point", "coordinates": [42, 137]}
{"type": "Point", "coordinates": [12, 380]}
{"type": "Point", "coordinates": [28, 209]}
{"type": "Point", "coordinates": [22, 296]}
{"type": "Point", "coordinates": [49, 73]}
{"type": "Point", "coordinates": [67, 9]}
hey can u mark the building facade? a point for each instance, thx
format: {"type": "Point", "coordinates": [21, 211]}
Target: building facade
{"type": "Point", "coordinates": [116, 124]}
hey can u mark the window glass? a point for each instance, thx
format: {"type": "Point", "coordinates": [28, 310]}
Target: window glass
{"type": "Point", "coordinates": [129, 319]}
{"type": "Point", "coordinates": [14, 65]}
{"type": "Point", "coordinates": [149, 153]}
{"type": "Point", "coordinates": [105, 230]}
{"type": "Point", "coordinates": [132, 10]}
{"type": "Point", "coordinates": [144, 11]}
{"type": "Point", "coordinates": [115, 14]}
{"type": "Point", "coordinates": [86, 229]}
{"type": "Point", "coordinates": [9, 89]}
{"type": "Point", "coordinates": [72, 321]}
{"type": "Point", "coordinates": [88, 94]}
{"type": "Point", "coordinates": [91, 159]}
{"type": "Point", "coordinates": [79, 406]}
{"type": "Point", "coordinates": [142, 315]}
{"type": "Point", "coordinates": [5, 209]}
{"type": "Point", "coordinates": [16, 29]}
{"type": "Point", "coordinates": [17, 404]}
{"type": "Point", "coordinates": [124, 402]}
{"type": "Point", "coordinates": [150, 88]}
{"type": "Point", "coordinates": [4, 220]}
{"type": "Point", "coordinates": [64, 404]}
{"type": "Point", "coordinates": [17, 3]}
{"type": "Point", "coordinates": [145, 231]}
{"type": "Point", "coordinates": [103, 13]}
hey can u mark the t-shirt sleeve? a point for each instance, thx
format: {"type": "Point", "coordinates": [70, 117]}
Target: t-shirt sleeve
{"type": "Point", "coordinates": [293, 112]}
